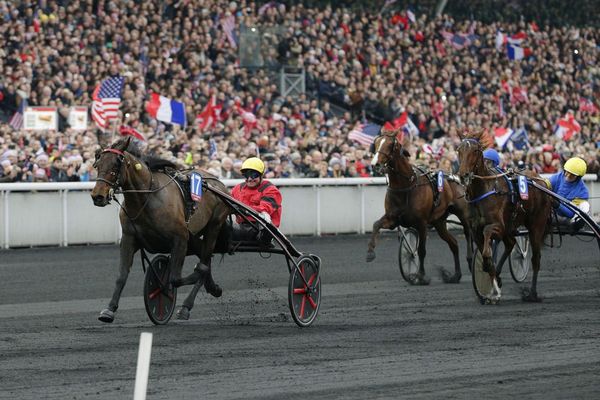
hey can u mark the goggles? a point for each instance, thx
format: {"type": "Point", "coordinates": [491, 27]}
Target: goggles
{"type": "Point", "coordinates": [251, 174]}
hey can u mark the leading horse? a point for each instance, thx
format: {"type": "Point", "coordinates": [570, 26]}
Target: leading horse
{"type": "Point", "coordinates": [152, 217]}
{"type": "Point", "coordinates": [410, 202]}
{"type": "Point", "coordinates": [496, 213]}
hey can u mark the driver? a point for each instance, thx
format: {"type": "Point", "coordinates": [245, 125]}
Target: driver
{"type": "Point", "coordinates": [568, 184]}
{"type": "Point", "coordinates": [260, 195]}
{"type": "Point", "coordinates": [491, 159]}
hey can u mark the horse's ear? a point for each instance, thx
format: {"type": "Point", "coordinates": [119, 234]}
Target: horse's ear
{"type": "Point", "coordinates": [123, 145]}
{"type": "Point", "coordinates": [405, 153]}
{"type": "Point", "coordinates": [400, 137]}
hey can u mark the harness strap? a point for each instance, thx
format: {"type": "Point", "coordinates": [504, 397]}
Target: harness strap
{"type": "Point", "coordinates": [483, 196]}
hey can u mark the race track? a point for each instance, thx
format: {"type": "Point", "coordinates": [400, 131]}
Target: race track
{"type": "Point", "coordinates": [376, 336]}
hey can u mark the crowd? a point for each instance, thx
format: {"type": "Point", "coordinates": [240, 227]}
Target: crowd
{"type": "Point", "coordinates": [372, 65]}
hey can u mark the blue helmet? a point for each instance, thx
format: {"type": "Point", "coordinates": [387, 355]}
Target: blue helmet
{"type": "Point", "coordinates": [493, 156]}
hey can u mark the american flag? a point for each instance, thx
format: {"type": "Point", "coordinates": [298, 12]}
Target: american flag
{"type": "Point", "coordinates": [16, 121]}
{"type": "Point", "coordinates": [364, 133]}
{"type": "Point", "coordinates": [228, 25]}
{"type": "Point", "coordinates": [106, 101]}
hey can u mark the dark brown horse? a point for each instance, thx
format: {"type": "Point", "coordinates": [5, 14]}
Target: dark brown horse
{"type": "Point", "coordinates": [410, 202]}
{"type": "Point", "coordinates": [494, 215]}
{"type": "Point", "coordinates": [153, 217]}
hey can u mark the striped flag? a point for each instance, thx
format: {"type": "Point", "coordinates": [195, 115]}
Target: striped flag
{"type": "Point", "coordinates": [364, 133]}
{"type": "Point", "coordinates": [566, 127]}
{"type": "Point", "coordinates": [106, 101]}
{"type": "Point", "coordinates": [16, 121]}
{"type": "Point", "coordinates": [501, 136]}
{"type": "Point", "coordinates": [228, 25]}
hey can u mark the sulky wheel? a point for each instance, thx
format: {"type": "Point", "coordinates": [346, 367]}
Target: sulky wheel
{"type": "Point", "coordinates": [482, 283]}
{"type": "Point", "coordinates": [304, 291]}
{"type": "Point", "coordinates": [159, 295]}
{"type": "Point", "coordinates": [408, 257]}
{"type": "Point", "coordinates": [520, 259]}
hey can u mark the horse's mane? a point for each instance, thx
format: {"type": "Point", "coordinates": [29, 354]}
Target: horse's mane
{"type": "Point", "coordinates": [482, 136]}
{"type": "Point", "coordinates": [154, 163]}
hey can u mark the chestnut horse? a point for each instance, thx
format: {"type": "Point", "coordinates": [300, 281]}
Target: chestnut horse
{"type": "Point", "coordinates": [410, 202]}
{"type": "Point", "coordinates": [495, 216]}
{"type": "Point", "coordinates": [153, 218]}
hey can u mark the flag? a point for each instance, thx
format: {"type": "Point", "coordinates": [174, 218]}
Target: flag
{"type": "Point", "coordinates": [411, 15]}
{"type": "Point", "coordinates": [518, 53]}
{"type": "Point", "coordinates": [500, 103]}
{"type": "Point", "coordinates": [519, 140]}
{"type": "Point", "coordinates": [212, 150]}
{"type": "Point", "coordinates": [518, 94]}
{"type": "Point", "coordinates": [208, 117]}
{"type": "Point", "coordinates": [517, 38]}
{"type": "Point", "coordinates": [364, 133]}
{"type": "Point", "coordinates": [125, 130]}
{"type": "Point", "coordinates": [228, 25]}
{"type": "Point", "coordinates": [16, 121]}
{"type": "Point", "coordinates": [586, 105]}
{"type": "Point", "coordinates": [500, 40]}
{"type": "Point", "coordinates": [501, 136]}
{"type": "Point", "coordinates": [405, 123]}
{"type": "Point", "coordinates": [106, 101]}
{"type": "Point", "coordinates": [166, 110]}
{"type": "Point", "coordinates": [566, 127]}
{"type": "Point", "coordinates": [458, 41]}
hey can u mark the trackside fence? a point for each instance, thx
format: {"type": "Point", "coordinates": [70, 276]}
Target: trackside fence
{"type": "Point", "coordinates": [63, 214]}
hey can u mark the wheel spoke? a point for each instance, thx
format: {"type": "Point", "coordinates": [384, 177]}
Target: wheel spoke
{"type": "Point", "coordinates": [155, 293]}
{"type": "Point", "coordinates": [300, 291]}
{"type": "Point", "coordinates": [312, 302]}
{"type": "Point", "coordinates": [302, 306]}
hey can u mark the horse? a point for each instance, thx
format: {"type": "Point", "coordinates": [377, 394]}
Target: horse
{"type": "Point", "coordinates": [494, 215]}
{"type": "Point", "coordinates": [152, 218]}
{"type": "Point", "coordinates": [410, 202]}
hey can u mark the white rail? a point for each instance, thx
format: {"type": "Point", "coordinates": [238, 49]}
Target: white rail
{"type": "Point", "coordinates": [62, 214]}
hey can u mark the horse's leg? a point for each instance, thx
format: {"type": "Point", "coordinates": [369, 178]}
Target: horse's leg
{"type": "Point", "coordinates": [464, 220]}
{"type": "Point", "coordinates": [188, 303]}
{"type": "Point", "coordinates": [178, 253]}
{"type": "Point", "coordinates": [127, 249]}
{"type": "Point", "coordinates": [536, 238]}
{"type": "Point", "coordinates": [442, 230]}
{"type": "Point", "coordinates": [488, 263]}
{"type": "Point", "coordinates": [421, 279]}
{"type": "Point", "coordinates": [384, 222]}
{"type": "Point", "coordinates": [208, 246]}
{"type": "Point", "coordinates": [509, 243]}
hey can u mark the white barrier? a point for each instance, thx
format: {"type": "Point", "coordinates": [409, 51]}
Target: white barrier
{"type": "Point", "coordinates": [62, 214]}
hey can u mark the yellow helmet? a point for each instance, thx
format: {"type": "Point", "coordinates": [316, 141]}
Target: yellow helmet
{"type": "Point", "coordinates": [255, 164]}
{"type": "Point", "coordinates": [576, 166]}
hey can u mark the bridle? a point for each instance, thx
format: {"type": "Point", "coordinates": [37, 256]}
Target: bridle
{"type": "Point", "coordinates": [388, 166]}
{"type": "Point", "coordinates": [116, 172]}
{"type": "Point", "coordinates": [468, 142]}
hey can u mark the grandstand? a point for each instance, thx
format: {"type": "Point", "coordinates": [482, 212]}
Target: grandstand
{"type": "Point", "coordinates": [291, 81]}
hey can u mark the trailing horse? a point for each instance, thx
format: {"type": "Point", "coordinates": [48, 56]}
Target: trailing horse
{"type": "Point", "coordinates": [411, 201]}
{"type": "Point", "coordinates": [497, 211]}
{"type": "Point", "coordinates": [153, 217]}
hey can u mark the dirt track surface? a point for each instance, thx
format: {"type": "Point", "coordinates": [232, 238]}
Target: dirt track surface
{"type": "Point", "coordinates": [376, 336]}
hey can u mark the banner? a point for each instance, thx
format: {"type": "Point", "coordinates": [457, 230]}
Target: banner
{"type": "Point", "coordinates": [40, 118]}
{"type": "Point", "coordinates": [78, 118]}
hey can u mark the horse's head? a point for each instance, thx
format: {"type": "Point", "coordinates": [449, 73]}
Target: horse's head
{"type": "Point", "coordinates": [470, 154]}
{"type": "Point", "coordinates": [390, 154]}
{"type": "Point", "coordinates": [109, 163]}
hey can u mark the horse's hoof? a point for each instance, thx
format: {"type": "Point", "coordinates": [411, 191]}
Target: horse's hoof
{"type": "Point", "coordinates": [215, 292]}
{"type": "Point", "coordinates": [370, 256]}
{"type": "Point", "coordinates": [420, 280]}
{"type": "Point", "coordinates": [183, 313]}
{"type": "Point", "coordinates": [448, 278]}
{"type": "Point", "coordinates": [530, 297]}
{"type": "Point", "coordinates": [106, 316]}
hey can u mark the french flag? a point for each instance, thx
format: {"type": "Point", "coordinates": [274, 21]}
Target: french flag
{"type": "Point", "coordinates": [517, 52]}
{"type": "Point", "coordinates": [166, 110]}
{"type": "Point", "coordinates": [501, 136]}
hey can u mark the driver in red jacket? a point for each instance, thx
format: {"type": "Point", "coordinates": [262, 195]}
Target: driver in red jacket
{"type": "Point", "coordinates": [257, 193]}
